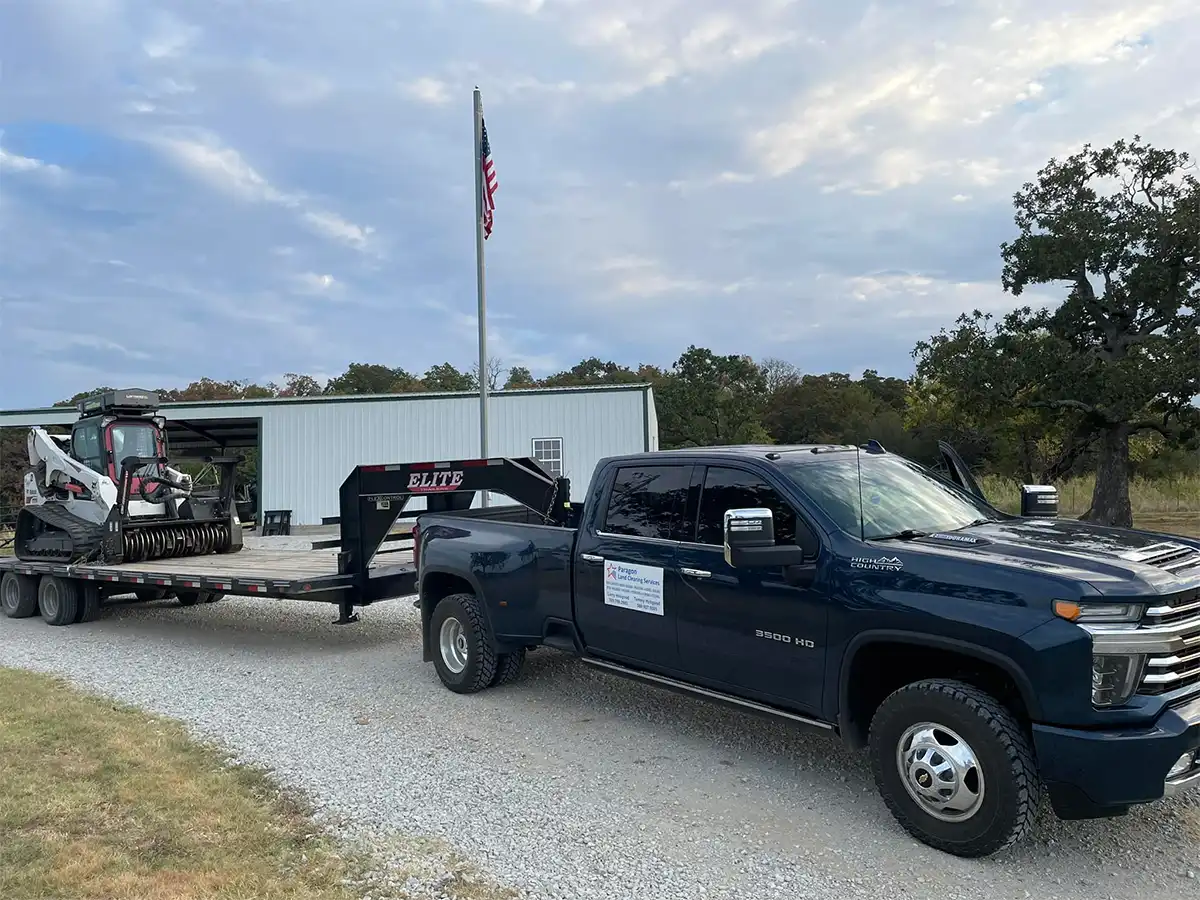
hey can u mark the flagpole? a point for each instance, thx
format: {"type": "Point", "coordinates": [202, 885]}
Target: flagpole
{"type": "Point", "coordinates": [482, 312]}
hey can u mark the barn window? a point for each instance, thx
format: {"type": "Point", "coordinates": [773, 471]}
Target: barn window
{"type": "Point", "coordinates": [549, 452]}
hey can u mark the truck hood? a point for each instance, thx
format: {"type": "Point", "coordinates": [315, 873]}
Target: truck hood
{"type": "Point", "coordinates": [1115, 561]}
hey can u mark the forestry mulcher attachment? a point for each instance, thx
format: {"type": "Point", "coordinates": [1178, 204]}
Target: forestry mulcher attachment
{"type": "Point", "coordinates": [106, 494]}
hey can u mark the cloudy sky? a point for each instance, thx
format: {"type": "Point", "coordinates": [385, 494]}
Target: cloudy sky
{"type": "Point", "coordinates": [245, 188]}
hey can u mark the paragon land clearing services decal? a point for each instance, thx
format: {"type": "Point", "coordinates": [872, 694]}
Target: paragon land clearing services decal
{"type": "Point", "coordinates": [633, 586]}
{"type": "Point", "coordinates": [426, 482]}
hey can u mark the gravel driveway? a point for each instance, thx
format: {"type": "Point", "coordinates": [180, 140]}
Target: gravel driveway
{"type": "Point", "coordinates": [569, 783]}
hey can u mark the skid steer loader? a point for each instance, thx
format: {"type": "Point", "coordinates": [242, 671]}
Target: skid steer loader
{"type": "Point", "coordinates": [107, 494]}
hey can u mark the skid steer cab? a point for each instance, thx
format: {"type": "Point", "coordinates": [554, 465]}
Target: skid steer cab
{"type": "Point", "coordinates": [109, 494]}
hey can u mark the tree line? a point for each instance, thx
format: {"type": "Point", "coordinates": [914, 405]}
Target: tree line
{"type": "Point", "coordinates": [1104, 382]}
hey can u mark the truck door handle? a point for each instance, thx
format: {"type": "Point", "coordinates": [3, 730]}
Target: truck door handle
{"type": "Point", "coordinates": [591, 557]}
{"type": "Point", "coordinates": [696, 573]}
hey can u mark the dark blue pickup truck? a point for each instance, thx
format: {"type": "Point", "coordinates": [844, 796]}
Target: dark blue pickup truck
{"type": "Point", "coordinates": [983, 659]}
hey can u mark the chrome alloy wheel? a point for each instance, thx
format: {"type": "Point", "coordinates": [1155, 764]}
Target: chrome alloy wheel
{"type": "Point", "coordinates": [453, 640]}
{"type": "Point", "coordinates": [940, 771]}
{"type": "Point", "coordinates": [11, 597]}
{"type": "Point", "coordinates": [49, 600]}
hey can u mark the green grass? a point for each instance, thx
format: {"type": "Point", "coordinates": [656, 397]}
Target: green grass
{"type": "Point", "coordinates": [1168, 505]}
{"type": "Point", "coordinates": [101, 800]}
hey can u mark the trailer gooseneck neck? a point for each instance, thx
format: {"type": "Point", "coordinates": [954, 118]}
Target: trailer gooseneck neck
{"type": "Point", "coordinates": [373, 496]}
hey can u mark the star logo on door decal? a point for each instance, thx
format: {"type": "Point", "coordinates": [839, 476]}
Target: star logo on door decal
{"type": "Point", "coordinates": [610, 571]}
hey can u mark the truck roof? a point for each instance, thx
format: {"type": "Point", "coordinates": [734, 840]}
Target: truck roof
{"type": "Point", "coordinates": [771, 452]}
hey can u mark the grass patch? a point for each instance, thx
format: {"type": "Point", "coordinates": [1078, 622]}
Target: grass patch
{"type": "Point", "coordinates": [5, 542]}
{"type": "Point", "coordinates": [101, 800]}
{"type": "Point", "coordinates": [1161, 504]}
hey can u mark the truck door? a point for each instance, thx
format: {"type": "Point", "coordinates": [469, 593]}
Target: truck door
{"type": "Point", "coordinates": [626, 579]}
{"type": "Point", "coordinates": [748, 631]}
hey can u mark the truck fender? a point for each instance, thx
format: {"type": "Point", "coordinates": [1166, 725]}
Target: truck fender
{"type": "Point", "coordinates": [964, 648]}
{"type": "Point", "coordinates": [427, 607]}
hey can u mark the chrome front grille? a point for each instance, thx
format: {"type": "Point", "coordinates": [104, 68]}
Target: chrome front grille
{"type": "Point", "coordinates": [1173, 668]}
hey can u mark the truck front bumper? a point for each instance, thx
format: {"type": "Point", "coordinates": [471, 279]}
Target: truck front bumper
{"type": "Point", "coordinates": [1092, 774]}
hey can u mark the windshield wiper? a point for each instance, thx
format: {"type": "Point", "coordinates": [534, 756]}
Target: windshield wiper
{"type": "Point", "coordinates": [906, 535]}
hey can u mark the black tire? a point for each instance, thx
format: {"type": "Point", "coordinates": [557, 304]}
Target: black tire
{"type": "Point", "coordinates": [1003, 755]}
{"type": "Point", "coordinates": [462, 616]}
{"type": "Point", "coordinates": [58, 600]}
{"type": "Point", "coordinates": [18, 595]}
{"type": "Point", "coordinates": [189, 598]}
{"type": "Point", "coordinates": [89, 603]}
{"type": "Point", "coordinates": [212, 596]}
{"type": "Point", "coordinates": [508, 667]}
{"type": "Point", "coordinates": [150, 595]}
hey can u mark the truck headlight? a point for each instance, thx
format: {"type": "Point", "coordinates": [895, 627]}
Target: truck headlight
{"type": "Point", "coordinates": [1098, 612]}
{"type": "Point", "coordinates": [1115, 676]}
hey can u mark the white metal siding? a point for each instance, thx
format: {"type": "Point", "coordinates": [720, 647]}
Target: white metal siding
{"type": "Point", "coordinates": [309, 449]}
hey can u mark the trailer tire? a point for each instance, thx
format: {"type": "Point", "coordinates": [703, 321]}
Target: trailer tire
{"type": "Point", "coordinates": [939, 738]}
{"type": "Point", "coordinates": [508, 667]}
{"type": "Point", "coordinates": [58, 600]}
{"type": "Point", "coordinates": [150, 595]}
{"type": "Point", "coordinates": [463, 655]}
{"type": "Point", "coordinates": [18, 595]}
{"type": "Point", "coordinates": [188, 598]}
{"type": "Point", "coordinates": [89, 603]}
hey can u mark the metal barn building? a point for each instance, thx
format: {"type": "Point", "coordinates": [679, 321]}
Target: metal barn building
{"type": "Point", "coordinates": [308, 445]}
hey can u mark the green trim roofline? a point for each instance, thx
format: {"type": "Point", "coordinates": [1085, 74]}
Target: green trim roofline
{"type": "Point", "coordinates": [347, 398]}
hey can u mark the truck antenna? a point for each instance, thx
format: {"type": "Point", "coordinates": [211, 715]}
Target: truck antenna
{"type": "Point", "coordinates": [862, 530]}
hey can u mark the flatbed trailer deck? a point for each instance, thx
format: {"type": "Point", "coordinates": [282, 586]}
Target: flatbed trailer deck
{"type": "Point", "coordinates": [280, 574]}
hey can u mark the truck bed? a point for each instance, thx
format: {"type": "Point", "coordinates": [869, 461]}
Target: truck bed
{"type": "Point", "coordinates": [298, 574]}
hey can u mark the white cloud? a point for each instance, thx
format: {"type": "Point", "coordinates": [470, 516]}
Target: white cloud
{"type": "Point", "coordinates": [926, 87]}
{"type": "Point", "coordinates": [26, 165]}
{"type": "Point", "coordinates": [428, 90]}
{"type": "Point", "coordinates": [225, 169]}
{"type": "Point", "coordinates": [668, 166]}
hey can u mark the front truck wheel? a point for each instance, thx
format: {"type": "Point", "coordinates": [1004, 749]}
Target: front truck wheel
{"type": "Point", "coordinates": [463, 655]}
{"type": "Point", "coordinates": [955, 767]}
{"type": "Point", "coordinates": [18, 595]}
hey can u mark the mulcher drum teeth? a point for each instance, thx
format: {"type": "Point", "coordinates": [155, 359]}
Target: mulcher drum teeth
{"type": "Point", "coordinates": [66, 539]}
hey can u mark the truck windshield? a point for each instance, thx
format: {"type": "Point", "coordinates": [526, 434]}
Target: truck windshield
{"type": "Point", "coordinates": [132, 440]}
{"type": "Point", "coordinates": [898, 497]}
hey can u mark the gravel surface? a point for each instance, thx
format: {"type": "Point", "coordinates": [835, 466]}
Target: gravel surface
{"type": "Point", "coordinates": [568, 783]}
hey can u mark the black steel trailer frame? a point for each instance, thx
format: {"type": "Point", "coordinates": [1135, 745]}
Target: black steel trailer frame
{"type": "Point", "coordinates": [370, 500]}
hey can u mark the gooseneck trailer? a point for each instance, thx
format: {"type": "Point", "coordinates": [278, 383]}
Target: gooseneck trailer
{"type": "Point", "coordinates": [356, 573]}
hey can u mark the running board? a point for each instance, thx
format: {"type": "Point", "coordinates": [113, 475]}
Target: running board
{"type": "Point", "coordinates": [683, 686]}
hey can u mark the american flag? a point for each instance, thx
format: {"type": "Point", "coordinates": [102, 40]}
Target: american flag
{"type": "Point", "coordinates": [490, 184]}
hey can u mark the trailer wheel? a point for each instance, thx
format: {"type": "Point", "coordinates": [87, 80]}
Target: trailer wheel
{"type": "Point", "coordinates": [89, 603]}
{"type": "Point", "coordinates": [150, 595]}
{"type": "Point", "coordinates": [955, 767]}
{"type": "Point", "coordinates": [18, 595]}
{"type": "Point", "coordinates": [58, 600]}
{"type": "Point", "coordinates": [188, 598]}
{"type": "Point", "coordinates": [508, 667]}
{"type": "Point", "coordinates": [463, 656]}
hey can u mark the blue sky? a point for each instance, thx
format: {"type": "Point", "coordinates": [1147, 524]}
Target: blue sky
{"type": "Point", "coordinates": [239, 190]}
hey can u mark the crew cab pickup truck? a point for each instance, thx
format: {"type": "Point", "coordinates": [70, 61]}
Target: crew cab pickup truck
{"type": "Point", "coordinates": [982, 659]}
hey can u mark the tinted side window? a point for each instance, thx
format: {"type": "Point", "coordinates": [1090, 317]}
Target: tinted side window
{"type": "Point", "coordinates": [731, 489]}
{"type": "Point", "coordinates": [85, 446]}
{"type": "Point", "coordinates": [648, 501]}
